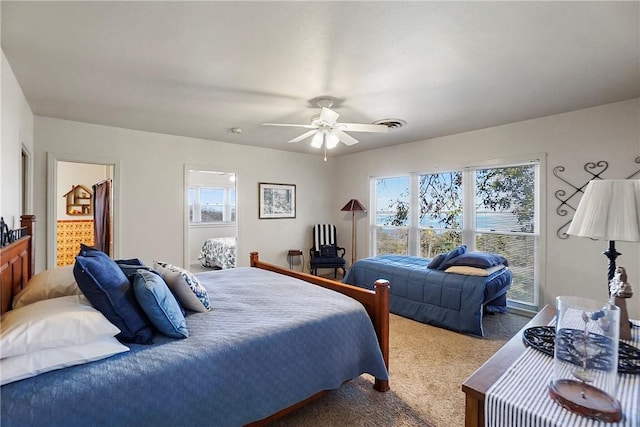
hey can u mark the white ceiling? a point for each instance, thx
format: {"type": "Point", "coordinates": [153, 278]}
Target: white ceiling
{"type": "Point", "coordinates": [201, 68]}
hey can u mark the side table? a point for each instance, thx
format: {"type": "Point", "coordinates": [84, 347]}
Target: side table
{"type": "Point", "coordinates": [476, 386]}
{"type": "Point", "coordinates": [292, 254]}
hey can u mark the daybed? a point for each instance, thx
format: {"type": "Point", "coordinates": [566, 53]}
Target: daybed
{"type": "Point", "coordinates": [270, 343]}
{"type": "Point", "coordinates": [218, 252]}
{"type": "Point", "coordinates": [448, 300]}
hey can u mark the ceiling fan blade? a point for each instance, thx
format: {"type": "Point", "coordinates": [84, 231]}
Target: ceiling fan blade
{"type": "Point", "coordinates": [328, 116]}
{"type": "Point", "coordinates": [346, 139]}
{"type": "Point", "coordinates": [363, 127]}
{"type": "Point", "coordinates": [304, 136]}
{"type": "Point", "coordinates": [291, 125]}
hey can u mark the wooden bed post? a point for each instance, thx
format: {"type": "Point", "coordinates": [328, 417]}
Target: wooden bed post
{"type": "Point", "coordinates": [382, 289]}
{"type": "Point", "coordinates": [29, 222]}
{"type": "Point", "coordinates": [253, 259]}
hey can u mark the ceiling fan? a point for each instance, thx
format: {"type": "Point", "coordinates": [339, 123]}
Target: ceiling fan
{"type": "Point", "coordinates": [326, 130]}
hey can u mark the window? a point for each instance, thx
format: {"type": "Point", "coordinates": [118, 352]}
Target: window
{"type": "Point", "coordinates": [211, 205]}
{"type": "Point", "coordinates": [493, 209]}
{"type": "Point", "coordinates": [506, 221]}
{"type": "Point", "coordinates": [441, 221]}
{"type": "Point", "coordinates": [390, 231]}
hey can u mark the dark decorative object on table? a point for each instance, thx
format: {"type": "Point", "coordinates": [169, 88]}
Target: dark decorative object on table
{"type": "Point", "coordinates": [542, 338]}
{"type": "Point", "coordinates": [6, 236]}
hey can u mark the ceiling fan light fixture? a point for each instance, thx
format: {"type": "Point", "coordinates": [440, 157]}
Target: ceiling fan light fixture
{"type": "Point", "coordinates": [316, 142]}
{"type": "Point", "coordinates": [327, 132]}
{"type": "Point", "coordinates": [331, 140]}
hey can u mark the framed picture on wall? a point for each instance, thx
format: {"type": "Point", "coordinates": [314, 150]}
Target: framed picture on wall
{"type": "Point", "coordinates": [277, 200]}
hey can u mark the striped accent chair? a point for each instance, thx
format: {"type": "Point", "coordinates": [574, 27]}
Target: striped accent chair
{"type": "Point", "coordinates": [325, 252]}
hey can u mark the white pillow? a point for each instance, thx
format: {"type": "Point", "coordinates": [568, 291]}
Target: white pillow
{"type": "Point", "coordinates": [52, 283]}
{"type": "Point", "coordinates": [28, 365]}
{"type": "Point", "coordinates": [57, 322]}
{"type": "Point", "coordinates": [473, 271]}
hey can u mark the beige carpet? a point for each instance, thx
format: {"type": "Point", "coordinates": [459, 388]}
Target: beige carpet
{"type": "Point", "coordinates": [427, 368]}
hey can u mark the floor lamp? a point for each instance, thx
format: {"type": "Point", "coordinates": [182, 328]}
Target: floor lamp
{"type": "Point", "coordinates": [610, 210]}
{"type": "Point", "coordinates": [352, 206]}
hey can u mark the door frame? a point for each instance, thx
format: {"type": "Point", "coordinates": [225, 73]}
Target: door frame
{"type": "Point", "coordinates": [52, 183]}
{"type": "Point", "coordinates": [186, 241]}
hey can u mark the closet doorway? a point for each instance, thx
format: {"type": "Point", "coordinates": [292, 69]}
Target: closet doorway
{"type": "Point", "coordinates": [82, 201]}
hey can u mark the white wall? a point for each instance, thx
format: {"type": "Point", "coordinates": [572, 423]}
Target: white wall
{"type": "Point", "coordinates": [16, 130]}
{"type": "Point", "coordinates": [574, 266]}
{"type": "Point", "coordinates": [71, 174]}
{"type": "Point", "coordinates": [152, 179]}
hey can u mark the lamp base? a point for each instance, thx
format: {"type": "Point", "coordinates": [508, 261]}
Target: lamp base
{"type": "Point", "coordinates": [586, 400]}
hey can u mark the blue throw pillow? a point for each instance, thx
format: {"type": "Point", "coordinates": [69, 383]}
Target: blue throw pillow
{"type": "Point", "coordinates": [453, 253]}
{"type": "Point", "coordinates": [436, 261]}
{"type": "Point", "coordinates": [130, 267]}
{"type": "Point", "coordinates": [478, 259]}
{"type": "Point", "coordinates": [159, 304]}
{"type": "Point", "coordinates": [108, 289]}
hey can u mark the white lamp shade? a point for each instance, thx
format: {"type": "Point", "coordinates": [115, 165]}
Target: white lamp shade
{"type": "Point", "coordinates": [609, 210]}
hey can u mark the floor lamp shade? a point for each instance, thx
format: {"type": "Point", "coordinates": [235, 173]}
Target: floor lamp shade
{"type": "Point", "coordinates": [352, 206]}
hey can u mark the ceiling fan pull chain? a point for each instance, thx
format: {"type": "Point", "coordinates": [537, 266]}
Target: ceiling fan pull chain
{"type": "Point", "coordinates": [324, 143]}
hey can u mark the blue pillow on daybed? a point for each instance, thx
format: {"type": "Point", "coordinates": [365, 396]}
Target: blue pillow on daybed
{"type": "Point", "coordinates": [452, 254]}
{"type": "Point", "coordinates": [108, 289]}
{"type": "Point", "coordinates": [477, 259]}
{"type": "Point", "coordinates": [436, 261]}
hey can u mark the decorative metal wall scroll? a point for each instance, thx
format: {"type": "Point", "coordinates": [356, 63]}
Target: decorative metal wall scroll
{"type": "Point", "coordinates": [568, 200]}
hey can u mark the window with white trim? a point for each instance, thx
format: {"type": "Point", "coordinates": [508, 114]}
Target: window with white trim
{"type": "Point", "coordinates": [212, 205]}
{"type": "Point", "coordinates": [490, 208]}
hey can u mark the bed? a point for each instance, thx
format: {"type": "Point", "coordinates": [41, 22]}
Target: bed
{"type": "Point", "coordinates": [218, 252]}
{"type": "Point", "coordinates": [448, 300]}
{"type": "Point", "coordinates": [272, 341]}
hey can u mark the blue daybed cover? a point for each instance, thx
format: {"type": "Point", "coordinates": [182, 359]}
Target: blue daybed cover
{"type": "Point", "coordinates": [448, 300]}
{"type": "Point", "coordinates": [268, 342]}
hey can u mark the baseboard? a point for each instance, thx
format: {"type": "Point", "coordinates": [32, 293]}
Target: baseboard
{"type": "Point", "coordinates": [521, 311]}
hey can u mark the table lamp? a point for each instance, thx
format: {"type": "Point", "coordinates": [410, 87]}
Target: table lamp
{"type": "Point", "coordinates": [610, 210]}
{"type": "Point", "coordinates": [352, 206]}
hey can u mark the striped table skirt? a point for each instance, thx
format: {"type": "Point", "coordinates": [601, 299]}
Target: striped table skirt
{"type": "Point", "coordinates": [520, 397]}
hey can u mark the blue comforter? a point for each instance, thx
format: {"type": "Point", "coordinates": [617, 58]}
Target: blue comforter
{"type": "Point", "coordinates": [270, 341]}
{"type": "Point", "coordinates": [448, 300]}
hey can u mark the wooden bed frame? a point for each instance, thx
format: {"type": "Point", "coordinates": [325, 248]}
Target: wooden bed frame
{"type": "Point", "coordinates": [17, 267]}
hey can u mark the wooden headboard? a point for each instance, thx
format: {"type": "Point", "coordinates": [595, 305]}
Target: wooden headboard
{"type": "Point", "coordinates": [16, 263]}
